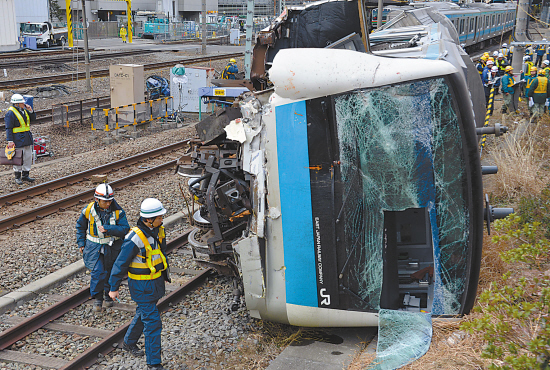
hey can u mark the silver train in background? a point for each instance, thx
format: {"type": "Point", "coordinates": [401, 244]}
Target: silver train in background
{"type": "Point", "coordinates": [352, 184]}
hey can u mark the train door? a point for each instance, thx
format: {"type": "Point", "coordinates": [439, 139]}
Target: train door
{"type": "Point", "coordinates": [462, 31]}
{"type": "Point", "coordinates": [487, 28]}
{"type": "Point", "coordinates": [472, 29]}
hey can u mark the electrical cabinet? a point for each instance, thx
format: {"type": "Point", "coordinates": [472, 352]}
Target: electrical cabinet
{"type": "Point", "coordinates": [185, 92]}
{"type": "Point", "coordinates": [127, 84]}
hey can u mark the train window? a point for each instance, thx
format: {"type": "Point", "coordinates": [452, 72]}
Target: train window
{"type": "Point", "coordinates": [461, 26]}
{"type": "Point", "coordinates": [498, 19]}
{"type": "Point", "coordinates": [411, 165]}
{"type": "Point", "coordinates": [486, 21]}
{"type": "Point", "coordinates": [493, 20]}
{"type": "Point", "coordinates": [472, 25]}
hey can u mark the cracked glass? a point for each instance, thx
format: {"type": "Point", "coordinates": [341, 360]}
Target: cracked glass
{"type": "Point", "coordinates": [400, 147]}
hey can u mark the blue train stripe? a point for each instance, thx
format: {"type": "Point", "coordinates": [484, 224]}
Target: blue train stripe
{"type": "Point", "coordinates": [295, 193]}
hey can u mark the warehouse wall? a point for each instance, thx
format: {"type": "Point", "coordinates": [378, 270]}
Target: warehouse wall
{"type": "Point", "coordinates": [8, 26]}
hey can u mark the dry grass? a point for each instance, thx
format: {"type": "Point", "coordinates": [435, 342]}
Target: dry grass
{"type": "Point", "coordinates": [520, 162]}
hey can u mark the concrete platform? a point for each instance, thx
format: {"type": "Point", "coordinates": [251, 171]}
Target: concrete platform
{"type": "Point", "coordinates": [322, 355]}
{"type": "Point", "coordinates": [32, 290]}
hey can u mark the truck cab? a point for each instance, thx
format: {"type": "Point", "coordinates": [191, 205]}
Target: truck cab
{"type": "Point", "coordinates": [46, 35]}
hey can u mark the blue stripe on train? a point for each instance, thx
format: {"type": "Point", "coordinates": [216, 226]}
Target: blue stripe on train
{"type": "Point", "coordinates": [295, 193]}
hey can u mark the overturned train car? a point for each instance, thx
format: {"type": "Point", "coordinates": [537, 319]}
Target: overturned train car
{"type": "Point", "coordinates": [353, 185]}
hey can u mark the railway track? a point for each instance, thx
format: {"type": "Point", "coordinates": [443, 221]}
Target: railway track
{"type": "Point", "coordinates": [66, 77]}
{"type": "Point", "coordinates": [41, 53]}
{"type": "Point", "coordinates": [23, 63]}
{"type": "Point", "coordinates": [111, 339]}
{"type": "Point", "coordinates": [82, 196]}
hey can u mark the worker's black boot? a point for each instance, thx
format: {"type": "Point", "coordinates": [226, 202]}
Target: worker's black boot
{"type": "Point", "coordinates": [18, 178]}
{"type": "Point", "coordinates": [26, 177]}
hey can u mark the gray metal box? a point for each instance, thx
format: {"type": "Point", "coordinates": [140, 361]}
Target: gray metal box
{"type": "Point", "coordinates": [186, 98]}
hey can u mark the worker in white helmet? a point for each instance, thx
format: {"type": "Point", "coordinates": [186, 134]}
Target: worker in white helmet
{"type": "Point", "coordinates": [100, 231]}
{"type": "Point", "coordinates": [18, 133]}
{"type": "Point", "coordinates": [143, 261]}
{"type": "Point", "coordinates": [504, 51]}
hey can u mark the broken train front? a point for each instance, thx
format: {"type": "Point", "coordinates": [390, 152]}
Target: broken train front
{"type": "Point", "coordinates": [354, 184]}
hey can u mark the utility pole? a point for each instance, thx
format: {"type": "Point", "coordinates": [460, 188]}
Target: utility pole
{"type": "Point", "coordinates": [248, 47]}
{"type": "Point", "coordinates": [520, 35]}
{"type": "Point", "coordinates": [380, 12]}
{"type": "Point", "coordinates": [86, 54]}
{"type": "Point", "coordinates": [203, 27]}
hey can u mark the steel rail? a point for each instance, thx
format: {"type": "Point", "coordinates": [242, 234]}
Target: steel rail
{"type": "Point", "coordinates": [89, 357]}
{"type": "Point", "coordinates": [71, 58]}
{"type": "Point", "coordinates": [62, 204]}
{"type": "Point", "coordinates": [38, 320]}
{"type": "Point", "coordinates": [66, 77]}
{"type": "Point", "coordinates": [25, 54]}
{"type": "Point", "coordinates": [27, 193]}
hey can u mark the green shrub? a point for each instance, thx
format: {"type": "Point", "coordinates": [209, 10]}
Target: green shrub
{"type": "Point", "coordinates": [536, 208]}
{"type": "Point", "coordinates": [515, 312]}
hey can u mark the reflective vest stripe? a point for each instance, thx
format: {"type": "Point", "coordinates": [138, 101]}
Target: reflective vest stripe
{"type": "Point", "coordinates": [91, 214]}
{"type": "Point", "coordinates": [149, 253]}
{"type": "Point", "coordinates": [542, 86]}
{"type": "Point", "coordinates": [24, 126]}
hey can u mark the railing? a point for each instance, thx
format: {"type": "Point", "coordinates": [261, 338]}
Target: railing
{"type": "Point", "coordinates": [64, 114]}
{"type": "Point", "coordinates": [131, 114]}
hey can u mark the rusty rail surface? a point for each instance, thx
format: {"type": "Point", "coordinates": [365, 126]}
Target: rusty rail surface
{"type": "Point", "coordinates": [82, 197]}
{"type": "Point", "coordinates": [67, 77]}
{"type": "Point", "coordinates": [27, 193]}
{"type": "Point", "coordinates": [90, 356]}
{"type": "Point", "coordinates": [40, 319]}
{"type": "Point", "coordinates": [22, 63]}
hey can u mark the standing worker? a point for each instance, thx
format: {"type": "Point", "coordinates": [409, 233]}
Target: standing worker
{"type": "Point", "coordinates": [508, 89]}
{"type": "Point", "coordinates": [18, 133]}
{"type": "Point", "coordinates": [100, 230]}
{"type": "Point", "coordinates": [230, 70]}
{"type": "Point", "coordinates": [123, 34]}
{"type": "Point", "coordinates": [540, 51]}
{"type": "Point", "coordinates": [528, 81]}
{"type": "Point", "coordinates": [491, 81]}
{"type": "Point", "coordinates": [538, 92]}
{"type": "Point", "coordinates": [143, 260]}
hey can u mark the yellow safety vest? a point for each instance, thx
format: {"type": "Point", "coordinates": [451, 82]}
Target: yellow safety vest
{"type": "Point", "coordinates": [145, 268]}
{"type": "Point", "coordinates": [529, 66]}
{"type": "Point", "coordinates": [528, 83]}
{"type": "Point", "coordinates": [91, 215]}
{"type": "Point", "coordinates": [542, 86]}
{"type": "Point", "coordinates": [24, 125]}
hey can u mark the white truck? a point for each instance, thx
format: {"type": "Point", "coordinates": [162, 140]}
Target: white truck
{"type": "Point", "coordinates": [45, 34]}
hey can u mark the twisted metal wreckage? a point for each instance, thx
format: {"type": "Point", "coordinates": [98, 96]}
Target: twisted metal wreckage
{"type": "Point", "coordinates": [346, 190]}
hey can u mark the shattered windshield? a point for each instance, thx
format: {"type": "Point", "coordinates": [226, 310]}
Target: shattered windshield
{"type": "Point", "coordinates": [400, 148]}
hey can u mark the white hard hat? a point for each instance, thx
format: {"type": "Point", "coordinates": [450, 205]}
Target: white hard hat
{"type": "Point", "coordinates": [490, 62]}
{"type": "Point", "coordinates": [495, 53]}
{"type": "Point", "coordinates": [544, 40]}
{"type": "Point", "coordinates": [504, 45]}
{"type": "Point", "coordinates": [525, 58]}
{"type": "Point", "coordinates": [494, 69]}
{"type": "Point", "coordinates": [500, 55]}
{"type": "Point", "coordinates": [151, 208]}
{"type": "Point", "coordinates": [17, 98]}
{"type": "Point", "coordinates": [104, 192]}
{"type": "Point", "coordinates": [546, 62]}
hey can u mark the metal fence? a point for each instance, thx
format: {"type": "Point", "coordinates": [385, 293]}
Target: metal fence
{"type": "Point", "coordinates": [131, 114]}
{"type": "Point", "coordinates": [64, 114]}
{"type": "Point", "coordinates": [99, 30]}
{"type": "Point", "coordinates": [179, 31]}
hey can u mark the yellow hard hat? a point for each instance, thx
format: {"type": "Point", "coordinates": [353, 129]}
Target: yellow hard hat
{"type": "Point", "coordinates": [491, 59]}
{"type": "Point", "coordinates": [232, 60]}
{"type": "Point", "coordinates": [541, 71]}
{"type": "Point", "coordinates": [484, 57]}
{"type": "Point", "coordinates": [533, 68]}
{"type": "Point", "coordinates": [508, 69]}
{"type": "Point", "coordinates": [486, 54]}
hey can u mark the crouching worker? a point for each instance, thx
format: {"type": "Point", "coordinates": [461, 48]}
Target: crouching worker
{"type": "Point", "coordinates": [143, 260]}
{"type": "Point", "coordinates": [100, 230]}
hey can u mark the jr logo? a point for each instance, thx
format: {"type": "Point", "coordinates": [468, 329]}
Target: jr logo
{"type": "Point", "coordinates": [326, 300]}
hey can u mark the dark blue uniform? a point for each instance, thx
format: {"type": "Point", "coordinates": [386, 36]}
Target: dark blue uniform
{"type": "Point", "coordinates": [146, 288]}
{"type": "Point", "coordinates": [20, 139]}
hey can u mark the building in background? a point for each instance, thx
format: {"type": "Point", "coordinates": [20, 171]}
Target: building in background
{"type": "Point", "coordinates": [9, 29]}
{"type": "Point", "coordinates": [31, 11]}
{"type": "Point", "coordinates": [109, 10]}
